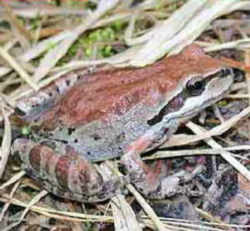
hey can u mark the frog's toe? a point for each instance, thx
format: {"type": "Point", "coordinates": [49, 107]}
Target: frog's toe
{"type": "Point", "coordinates": [156, 187]}
{"type": "Point", "coordinates": [167, 187]}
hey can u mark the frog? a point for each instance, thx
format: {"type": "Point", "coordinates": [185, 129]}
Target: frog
{"type": "Point", "coordinates": [86, 118]}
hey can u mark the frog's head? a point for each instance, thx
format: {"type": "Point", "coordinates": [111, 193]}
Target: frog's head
{"type": "Point", "coordinates": [200, 82]}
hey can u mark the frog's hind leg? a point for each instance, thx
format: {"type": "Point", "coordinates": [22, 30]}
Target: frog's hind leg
{"type": "Point", "coordinates": [67, 174]}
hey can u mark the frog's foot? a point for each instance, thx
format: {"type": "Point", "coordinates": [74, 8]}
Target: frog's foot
{"type": "Point", "coordinates": [152, 182]}
{"type": "Point", "coordinates": [66, 174]}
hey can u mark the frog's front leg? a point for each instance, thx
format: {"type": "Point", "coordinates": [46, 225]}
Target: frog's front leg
{"type": "Point", "coordinates": [150, 181]}
{"type": "Point", "coordinates": [66, 174]}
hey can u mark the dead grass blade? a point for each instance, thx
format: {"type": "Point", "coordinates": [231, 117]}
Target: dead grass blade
{"type": "Point", "coordinates": [4, 71]}
{"type": "Point", "coordinates": [124, 216]}
{"type": "Point", "coordinates": [146, 207]}
{"type": "Point", "coordinates": [6, 142]}
{"type": "Point", "coordinates": [56, 53]}
{"type": "Point", "coordinates": [166, 31]}
{"type": "Point", "coordinates": [13, 63]}
{"type": "Point", "coordinates": [31, 203]}
{"type": "Point", "coordinates": [178, 140]}
{"type": "Point", "coordinates": [19, 31]}
{"type": "Point", "coordinates": [7, 204]}
{"type": "Point", "coordinates": [239, 44]}
{"type": "Point", "coordinates": [224, 154]}
{"type": "Point", "coordinates": [13, 179]}
{"type": "Point", "coordinates": [191, 152]}
{"type": "Point", "coordinates": [44, 45]}
{"type": "Point", "coordinates": [43, 10]}
{"type": "Point", "coordinates": [195, 24]}
{"type": "Point", "coordinates": [69, 216]}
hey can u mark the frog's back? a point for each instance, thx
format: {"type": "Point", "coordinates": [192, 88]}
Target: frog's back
{"type": "Point", "coordinates": [100, 116]}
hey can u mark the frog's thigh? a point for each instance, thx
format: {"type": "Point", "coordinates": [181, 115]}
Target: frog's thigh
{"type": "Point", "coordinates": [65, 174]}
{"type": "Point", "coordinates": [149, 181]}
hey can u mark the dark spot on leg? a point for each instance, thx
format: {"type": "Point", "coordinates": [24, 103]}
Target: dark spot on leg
{"type": "Point", "coordinates": [76, 140]}
{"type": "Point", "coordinates": [71, 130]}
{"type": "Point", "coordinates": [120, 138]}
{"type": "Point", "coordinates": [58, 90]}
{"type": "Point", "coordinates": [67, 82]}
{"type": "Point", "coordinates": [50, 94]}
{"type": "Point", "coordinates": [120, 150]}
{"type": "Point", "coordinates": [96, 137]}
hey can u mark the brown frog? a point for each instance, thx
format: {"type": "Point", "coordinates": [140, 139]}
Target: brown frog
{"type": "Point", "coordinates": [84, 118]}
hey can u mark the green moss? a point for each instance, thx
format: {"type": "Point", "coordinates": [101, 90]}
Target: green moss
{"type": "Point", "coordinates": [90, 5]}
{"type": "Point", "coordinates": [35, 23]}
{"type": "Point", "coordinates": [118, 25]}
{"type": "Point", "coordinates": [222, 103]}
{"type": "Point", "coordinates": [101, 38]}
{"type": "Point", "coordinates": [88, 51]}
{"type": "Point", "coordinates": [95, 36]}
{"type": "Point", "coordinates": [107, 51]}
{"type": "Point", "coordinates": [25, 130]}
{"type": "Point", "coordinates": [108, 34]}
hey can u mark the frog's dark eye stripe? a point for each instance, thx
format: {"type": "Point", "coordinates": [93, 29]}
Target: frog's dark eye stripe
{"type": "Point", "coordinates": [175, 104]}
{"type": "Point", "coordinates": [195, 88]}
{"type": "Point", "coordinates": [19, 112]}
{"type": "Point", "coordinates": [226, 71]}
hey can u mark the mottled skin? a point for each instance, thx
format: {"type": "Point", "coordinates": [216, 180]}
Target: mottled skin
{"type": "Point", "coordinates": [89, 117]}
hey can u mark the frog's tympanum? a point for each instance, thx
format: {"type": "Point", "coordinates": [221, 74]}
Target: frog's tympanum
{"type": "Point", "coordinates": [84, 118]}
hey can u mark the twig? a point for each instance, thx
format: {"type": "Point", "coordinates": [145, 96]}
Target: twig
{"type": "Point", "coordinates": [6, 142]}
{"type": "Point", "coordinates": [18, 68]}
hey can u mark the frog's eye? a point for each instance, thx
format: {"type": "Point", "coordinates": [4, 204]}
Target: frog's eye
{"type": "Point", "coordinates": [238, 75]}
{"type": "Point", "coordinates": [196, 87]}
{"type": "Point", "coordinates": [19, 112]}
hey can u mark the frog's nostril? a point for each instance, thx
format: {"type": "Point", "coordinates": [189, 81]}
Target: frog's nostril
{"type": "Point", "coordinates": [19, 112]}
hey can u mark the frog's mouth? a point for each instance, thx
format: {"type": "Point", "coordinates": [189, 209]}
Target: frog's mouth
{"type": "Point", "coordinates": [196, 97]}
